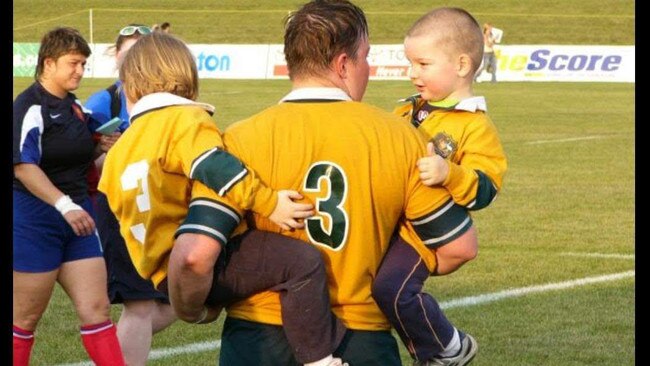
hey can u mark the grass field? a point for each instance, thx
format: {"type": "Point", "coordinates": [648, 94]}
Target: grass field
{"type": "Point", "coordinates": [554, 283]}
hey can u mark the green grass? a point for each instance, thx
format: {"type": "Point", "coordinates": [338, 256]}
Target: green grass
{"type": "Point", "coordinates": [575, 196]}
{"type": "Point", "coordinates": [606, 22]}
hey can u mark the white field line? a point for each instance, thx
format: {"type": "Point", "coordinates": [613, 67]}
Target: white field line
{"type": "Point", "coordinates": [600, 255]}
{"type": "Point", "coordinates": [565, 140]}
{"type": "Point", "coordinates": [49, 20]}
{"type": "Point", "coordinates": [461, 302]}
{"type": "Point", "coordinates": [168, 352]}
{"type": "Point", "coordinates": [517, 292]}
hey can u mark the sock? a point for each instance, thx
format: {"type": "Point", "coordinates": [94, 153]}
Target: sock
{"type": "Point", "coordinates": [100, 341]}
{"type": "Point", "coordinates": [323, 362]}
{"type": "Point", "coordinates": [23, 342]}
{"type": "Point", "coordinates": [453, 347]}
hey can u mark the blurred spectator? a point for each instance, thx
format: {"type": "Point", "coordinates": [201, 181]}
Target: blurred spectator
{"type": "Point", "coordinates": [489, 63]}
{"type": "Point", "coordinates": [162, 27]}
{"type": "Point", "coordinates": [166, 27]}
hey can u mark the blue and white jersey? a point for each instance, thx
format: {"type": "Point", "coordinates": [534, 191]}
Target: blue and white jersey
{"type": "Point", "coordinates": [53, 133]}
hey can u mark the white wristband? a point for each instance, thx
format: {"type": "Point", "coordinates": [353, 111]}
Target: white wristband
{"type": "Point", "coordinates": [204, 315]}
{"type": "Point", "coordinates": [65, 205]}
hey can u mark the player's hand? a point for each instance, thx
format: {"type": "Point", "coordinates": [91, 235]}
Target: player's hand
{"type": "Point", "coordinates": [289, 214]}
{"type": "Point", "coordinates": [81, 222]}
{"type": "Point", "coordinates": [107, 141]}
{"type": "Point", "coordinates": [433, 168]}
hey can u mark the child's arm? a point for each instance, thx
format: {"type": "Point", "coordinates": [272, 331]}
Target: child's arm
{"type": "Point", "coordinates": [204, 159]}
{"type": "Point", "coordinates": [227, 175]}
{"type": "Point", "coordinates": [475, 181]}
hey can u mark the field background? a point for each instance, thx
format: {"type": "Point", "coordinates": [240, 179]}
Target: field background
{"type": "Point", "coordinates": [557, 249]}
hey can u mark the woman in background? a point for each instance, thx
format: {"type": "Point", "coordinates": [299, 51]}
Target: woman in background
{"type": "Point", "coordinates": [54, 235]}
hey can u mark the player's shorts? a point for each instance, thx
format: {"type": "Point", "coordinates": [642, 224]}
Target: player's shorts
{"type": "Point", "coordinates": [249, 343]}
{"type": "Point", "coordinates": [43, 240]}
{"type": "Point", "coordinates": [124, 282]}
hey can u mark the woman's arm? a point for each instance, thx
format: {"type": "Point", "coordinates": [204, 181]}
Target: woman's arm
{"type": "Point", "coordinates": [38, 184]}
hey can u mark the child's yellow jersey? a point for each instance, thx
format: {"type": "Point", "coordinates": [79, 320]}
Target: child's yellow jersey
{"type": "Point", "coordinates": [357, 163]}
{"type": "Point", "coordinates": [153, 171]}
{"type": "Point", "coordinates": [464, 134]}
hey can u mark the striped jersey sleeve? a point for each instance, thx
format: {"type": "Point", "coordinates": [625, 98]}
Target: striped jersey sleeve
{"type": "Point", "coordinates": [209, 215]}
{"type": "Point", "coordinates": [442, 225]}
{"type": "Point", "coordinates": [204, 158]}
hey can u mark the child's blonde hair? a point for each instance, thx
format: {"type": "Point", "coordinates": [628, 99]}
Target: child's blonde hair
{"type": "Point", "coordinates": [455, 29]}
{"type": "Point", "coordinates": [159, 62]}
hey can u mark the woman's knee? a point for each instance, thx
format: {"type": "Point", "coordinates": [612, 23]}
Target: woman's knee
{"type": "Point", "coordinates": [27, 321]}
{"type": "Point", "coordinates": [92, 311]}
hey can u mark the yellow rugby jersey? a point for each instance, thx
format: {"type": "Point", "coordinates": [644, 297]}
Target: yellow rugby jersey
{"type": "Point", "coordinates": [147, 179]}
{"type": "Point", "coordinates": [357, 164]}
{"type": "Point", "coordinates": [463, 134]}
{"type": "Point", "coordinates": [473, 148]}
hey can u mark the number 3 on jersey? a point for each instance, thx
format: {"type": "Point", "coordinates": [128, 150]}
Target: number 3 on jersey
{"type": "Point", "coordinates": [332, 232]}
{"type": "Point", "coordinates": [135, 176]}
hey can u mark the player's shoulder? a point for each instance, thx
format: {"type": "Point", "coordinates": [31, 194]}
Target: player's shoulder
{"type": "Point", "coordinates": [193, 110]}
{"type": "Point", "coordinates": [31, 95]}
{"type": "Point", "coordinates": [382, 116]}
{"type": "Point", "coordinates": [264, 118]}
{"type": "Point", "coordinates": [185, 116]}
{"type": "Point", "coordinates": [476, 121]}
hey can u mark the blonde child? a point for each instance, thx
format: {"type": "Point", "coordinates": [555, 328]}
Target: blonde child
{"type": "Point", "coordinates": [169, 175]}
{"type": "Point", "coordinates": [444, 48]}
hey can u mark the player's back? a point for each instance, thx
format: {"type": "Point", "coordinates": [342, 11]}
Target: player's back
{"type": "Point", "coordinates": [357, 163]}
{"type": "Point", "coordinates": [145, 178]}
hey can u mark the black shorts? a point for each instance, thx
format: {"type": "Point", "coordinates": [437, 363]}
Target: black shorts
{"type": "Point", "coordinates": [124, 282]}
{"type": "Point", "coordinates": [249, 343]}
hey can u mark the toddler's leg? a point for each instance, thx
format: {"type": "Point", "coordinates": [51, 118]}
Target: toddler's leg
{"type": "Point", "coordinates": [415, 315]}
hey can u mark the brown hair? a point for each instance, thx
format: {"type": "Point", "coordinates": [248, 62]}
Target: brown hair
{"type": "Point", "coordinates": [319, 31]}
{"type": "Point", "coordinates": [159, 62]}
{"type": "Point", "coordinates": [58, 42]}
{"type": "Point", "coordinates": [455, 29]}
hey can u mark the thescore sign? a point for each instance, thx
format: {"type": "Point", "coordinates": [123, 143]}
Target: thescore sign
{"type": "Point", "coordinates": [566, 63]}
{"type": "Point", "coordinates": [387, 62]}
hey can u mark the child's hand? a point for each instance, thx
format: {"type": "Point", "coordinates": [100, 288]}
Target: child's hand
{"type": "Point", "coordinates": [287, 212]}
{"type": "Point", "coordinates": [433, 168]}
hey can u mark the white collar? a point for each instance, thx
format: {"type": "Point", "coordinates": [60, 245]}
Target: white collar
{"type": "Point", "coordinates": [159, 100]}
{"type": "Point", "coordinates": [316, 93]}
{"type": "Point", "coordinates": [472, 104]}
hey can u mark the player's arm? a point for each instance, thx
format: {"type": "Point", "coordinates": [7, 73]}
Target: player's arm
{"type": "Point", "coordinates": [440, 224]}
{"type": "Point", "coordinates": [475, 182]}
{"type": "Point", "coordinates": [198, 242]}
{"type": "Point", "coordinates": [191, 266]}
